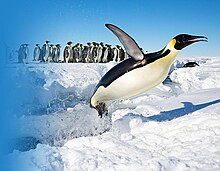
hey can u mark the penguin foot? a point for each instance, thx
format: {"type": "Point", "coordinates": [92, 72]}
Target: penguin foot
{"type": "Point", "coordinates": [102, 110]}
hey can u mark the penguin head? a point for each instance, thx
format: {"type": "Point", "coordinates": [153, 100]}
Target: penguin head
{"type": "Point", "coordinates": [183, 40]}
{"type": "Point", "coordinates": [69, 43]}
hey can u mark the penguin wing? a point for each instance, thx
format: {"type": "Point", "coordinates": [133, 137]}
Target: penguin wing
{"type": "Point", "coordinates": [128, 42]}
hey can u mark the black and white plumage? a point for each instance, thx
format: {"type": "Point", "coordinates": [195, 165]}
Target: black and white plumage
{"type": "Point", "coordinates": [51, 53]}
{"type": "Point", "coordinates": [190, 64]}
{"type": "Point", "coordinates": [99, 52]}
{"type": "Point", "coordinates": [21, 54]}
{"type": "Point", "coordinates": [26, 53]}
{"type": "Point", "coordinates": [57, 53]}
{"type": "Point", "coordinates": [36, 53]}
{"type": "Point", "coordinates": [45, 51]}
{"type": "Point", "coordinates": [140, 72]}
{"type": "Point", "coordinates": [68, 53]}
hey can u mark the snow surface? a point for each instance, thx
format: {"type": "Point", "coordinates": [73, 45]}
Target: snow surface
{"type": "Point", "coordinates": [174, 126]}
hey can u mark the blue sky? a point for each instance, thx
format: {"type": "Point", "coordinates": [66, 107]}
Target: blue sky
{"type": "Point", "coordinates": [151, 23]}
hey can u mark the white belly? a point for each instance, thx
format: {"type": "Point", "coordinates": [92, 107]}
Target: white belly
{"type": "Point", "coordinates": [134, 82]}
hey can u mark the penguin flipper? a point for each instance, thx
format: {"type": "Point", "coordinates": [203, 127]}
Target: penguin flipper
{"type": "Point", "coordinates": [128, 42]}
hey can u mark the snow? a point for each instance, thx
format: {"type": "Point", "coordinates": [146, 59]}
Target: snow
{"type": "Point", "coordinates": [174, 126]}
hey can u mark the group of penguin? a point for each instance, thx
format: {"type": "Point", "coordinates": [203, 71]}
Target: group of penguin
{"type": "Point", "coordinates": [49, 53]}
{"type": "Point", "coordinates": [78, 53]}
{"type": "Point", "coordinates": [93, 53]}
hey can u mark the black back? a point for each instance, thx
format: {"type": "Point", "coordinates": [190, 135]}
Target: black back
{"type": "Point", "coordinates": [129, 65]}
{"type": "Point", "coordinates": [190, 64]}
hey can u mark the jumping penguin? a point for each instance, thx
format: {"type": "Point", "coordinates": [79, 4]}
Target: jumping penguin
{"type": "Point", "coordinates": [140, 72]}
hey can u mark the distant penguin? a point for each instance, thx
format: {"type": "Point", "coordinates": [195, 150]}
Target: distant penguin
{"type": "Point", "coordinates": [85, 54]}
{"type": "Point", "coordinates": [89, 55]}
{"type": "Point", "coordinates": [76, 53]}
{"type": "Point", "coordinates": [26, 53]}
{"type": "Point", "coordinates": [54, 48]}
{"type": "Point", "coordinates": [21, 54]}
{"type": "Point", "coordinates": [78, 48]}
{"type": "Point", "coordinates": [68, 53]}
{"type": "Point", "coordinates": [80, 52]}
{"type": "Point", "coordinates": [111, 54]}
{"type": "Point", "coordinates": [190, 64]}
{"type": "Point", "coordinates": [51, 51]}
{"type": "Point", "coordinates": [57, 53]}
{"type": "Point", "coordinates": [140, 72]}
{"type": "Point", "coordinates": [94, 52]}
{"type": "Point", "coordinates": [115, 53]}
{"type": "Point", "coordinates": [41, 56]}
{"type": "Point", "coordinates": [36, 54]}
{"type": "Point", "coordinates": [45, 51]}
{"type": "Point", "coordinates": [99, 52]}
{"type": "Point", "coordinates": [106, 54]}
{"type": "Point", "coordinates": [117, 49]}
{"type": "Point", "coordinates": [121, 54]}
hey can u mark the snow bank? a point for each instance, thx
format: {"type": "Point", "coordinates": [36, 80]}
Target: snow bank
{"type": "Point", "coordinates": [174, 126]}
{"type": "Point", "coordinates": [203, 77]}
{"type": "Point", "coordinates": [53, 102]}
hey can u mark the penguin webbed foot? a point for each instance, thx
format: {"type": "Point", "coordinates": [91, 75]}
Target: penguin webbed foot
{"type": "Point", "coordinates": [102, 110]}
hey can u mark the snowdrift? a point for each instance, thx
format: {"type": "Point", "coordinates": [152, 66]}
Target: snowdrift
{"type": "Point", "coordinates": [174, 126]}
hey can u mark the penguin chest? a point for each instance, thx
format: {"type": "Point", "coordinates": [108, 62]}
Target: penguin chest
{"type": "Point", "coordinates": [137, 81]}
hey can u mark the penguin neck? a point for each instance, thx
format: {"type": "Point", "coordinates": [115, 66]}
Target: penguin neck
{"type": "Point", "coordinates": [173, 52]}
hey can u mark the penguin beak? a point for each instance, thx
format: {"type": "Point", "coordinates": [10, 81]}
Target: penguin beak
{"type": "Point", "coordinates": [194, 39]}
{"type": "Point", "coordinates": [184, 40]}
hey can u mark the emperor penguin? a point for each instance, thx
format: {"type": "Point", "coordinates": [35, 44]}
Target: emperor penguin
{"type": "Point", "coordinates": [190, 64]}
{"type": "Point", "coordinates": [51, 53]}
{"type": "Point", "coordinates": [57, 53]}
{"type": "Point", "coordinates": [140, 72]}
{"type": "Point", "coordinates": [121, 54]}
{"type": "Point", "coordinates": [21, 54]}
{"type": "Point", "coordinates": [68, 53]}
{"type": "Point", "coordinates": [36, 53]}
{"type": "Point", "coordinates": [90, 55]}
{"type": "Point", "coordinates": [94, 52]}
{"type": "Point", "coordinates": [45, 51]}
{"type": "Point", "coordinates": [26, 53]}
{"type": "Point", "coordinates": [85, 52]}
{"type": "Point", "coordinates": [105, 54]}
{"type": "Point", "coordinates": [99, 52]}
{"type": "Point", "coordinates": [116, 54]}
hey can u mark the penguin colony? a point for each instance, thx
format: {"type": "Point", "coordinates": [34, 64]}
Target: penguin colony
{"type": "Point", "coordinates": [90, 53]}
{"type": "Point", "coordinates": [140, 72]}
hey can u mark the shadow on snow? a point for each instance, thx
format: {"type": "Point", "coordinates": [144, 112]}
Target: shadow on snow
{"type": "Point", "coordinates": [175, 113]}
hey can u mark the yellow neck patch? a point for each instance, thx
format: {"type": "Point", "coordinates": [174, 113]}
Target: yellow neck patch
{"type": "Point", "coordinates": [173, 42]}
